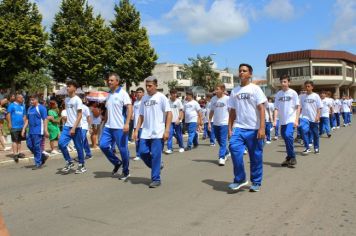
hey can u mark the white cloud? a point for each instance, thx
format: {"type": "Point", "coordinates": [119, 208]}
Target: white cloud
{"type": "Point", "coordinates": [343, 31]}
{"type": "Point", "coordinates": [279, 9]}
{"type": "Point", "coordinates": [221, 21]}
{"type": "Point", "coordinates": [155, 27]}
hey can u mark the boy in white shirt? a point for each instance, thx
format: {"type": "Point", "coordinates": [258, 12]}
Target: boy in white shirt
{"type": "Point", "coordinates": [140, 92]}
{"type": "Point", "coordinates": [211, 135]}
{"type": "Point", "coordinates": [117, 123]}
{"type": "Point", "coordinates": [269, 109]}
{"type": "Point", "coordinates": [336, 112]}
{"type": "Point", "coordinates": [155, 119]}
{"type": "Point", "coordinates": [192, 119]}
{"type": "Point", "coordinates": [310, 117]}
{"type": "Point", "coordinates": [72, 130]}
{"type": "Point", "coordinates": [220, 111]}
{"type": "Point", "coordinates": [176, 126]}
{"type": "Point", "coordinates": [346, 108]}
{"type": "Point", "coordinates": [86, 126]}
{"type": "Point", "coordinates": [247, 128]}
{"type": "Point", "coordinates": [287, 108]}
{"type": "Point", "coordinates": [325, 114]}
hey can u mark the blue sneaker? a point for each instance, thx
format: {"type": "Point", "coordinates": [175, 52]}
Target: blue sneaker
{"type": "Point", "coordinates": [255, 187]}
{"type": "Point", "coordinates": [237, 186]}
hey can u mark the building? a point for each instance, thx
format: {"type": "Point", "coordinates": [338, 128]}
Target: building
{"type": "Point", "coordinates": [334, 71]}
{"type": "Point", "coordinates": [174, 73]}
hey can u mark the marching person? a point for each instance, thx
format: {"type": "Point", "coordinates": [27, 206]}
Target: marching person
{"type": "Point", "coordinates": [176, 126]}
{"type": "Point", "coordinates": [117, 121]}
{"type": "Point", "coordinates": [269, 109]}
{"type": "Point", "coordinates": [155, 119]}
{"type": "Point", "coordinates": [247, 128]}
{"type": "Point", "coordinates": [211, 135]}
{"type": "Point", "coordinates": [140, 92]}
{"type": "Point", "coordinates": [193, 120]}
{"type": "Point", "coordinates": [86, 126]}
{"type": "Point", "coordinates": [346, 109]}
{"type": "Point", "coordinates": [72, 130]}
{"type": "Point", "coordinates": [310, 117]}
{"type": "Point", "coordinates": [336, 112]}
{"type": "Point", "coordinates": [287, 108]}
{"type": "Point", "coordinates": [36, 120]}
{"type": "Point", "coordinates": [325, 114]}
{"type": "Point", "coordinates": [220, 111]}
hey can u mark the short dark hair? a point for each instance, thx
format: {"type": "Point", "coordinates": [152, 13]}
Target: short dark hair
{"type": "Point", "coordinates": [139, 89]}
{"type": "Point", "coordinates": [152, 79]}
{"type": "Point", "coordinates": [209, 95]}
{"type": "Point", "coordinates": [189, 92]}
{"type": "Point", "coordinates": [174, 91]}
{"type": "Point", "coordinates": [117, 77]}
{"type": "Point", "coordinates": [247, 65]}
{"type": "Point", "coordinates": [309, 82]}
{"type": "Point", "coordinates": [73, 83]}
{"type": "Point", "coordinates": [35, 96]}
{"type": "Point", "coordinates": [284, 77]}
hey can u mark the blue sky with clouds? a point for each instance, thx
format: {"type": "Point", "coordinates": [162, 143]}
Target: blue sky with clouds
{"type": "Point", "coordinates": [236, 30]}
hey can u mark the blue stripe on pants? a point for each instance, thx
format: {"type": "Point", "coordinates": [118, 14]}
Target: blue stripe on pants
{"type": "Point", "coordinates": [276, 131]}
{"type": "Point", "coordinates": [192, 134]}
{"type": "Point", "coordinates": [324, 125]}
{"type": "Point", "coordinates": [151, 152]}
{"type": "Point", "coordinates": [312, 127]}
{"type": "Point", "coordinates": [287, 132]}
{"type": "Point", "coordinates": [86, 143]}
{"type": "Point", "coordinates": [176, 131]}
{"type": "Point", "coordinates": [121, 139]}
{"type": "Point", "coordinates": [33, 142]}
{"type": "Point", "coordinates": [137, 143]}
{"type": "Point", "coordinates": [239, 139]}
{"type": "Point", "coordinates": [78, 143]}
{"type": "Point", "coordinates": [221, 133]}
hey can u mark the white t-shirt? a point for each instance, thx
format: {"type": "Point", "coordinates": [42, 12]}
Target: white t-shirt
{"type": "Point", "coordinates": [208, 108]}
{"type": "Point", "coordinates": [310, 105]}
{"type": "Point", "coordinates": [269, 109]}
{"type": "Point", "coordinates": [336, 105]}
{"type": "Point", "coordinates": [191, 110]}
{"type": "Point", "coordinates": [286, 103]}
{"type": "Point", "coordinates": [176, 107]}
{"type": "Point", "coordinates": [204, 115]}
{"type": "Point", "coordinates": [116, 105]}
{"type": "Point", "coordinates": [85, 114]}
{"type": "Point", "coordinates": [245, 101]}
{"type": "Point", "coordinates": [221, 110]}
{"type": "Point", "coordinates": [327, 104]}
{"type": "Point", "coordinates": [64, 113]}
{"type": "Point", "coordinates": [153, 109]}
{"type": "Point", "coordinates": [345, 105]}
{"type": "Point", "coordinates": [72, 106]}
{"type": "Point", "coordinates": [95, 120]}
{"type": "Point", "coordinates": [136, 111]}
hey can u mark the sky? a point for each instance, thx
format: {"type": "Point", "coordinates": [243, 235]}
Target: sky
{"type": "Point", "coordinates": [235, 31]}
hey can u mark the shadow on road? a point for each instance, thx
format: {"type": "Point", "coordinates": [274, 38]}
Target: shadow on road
{"type": "Point", "coordinates": [222, 186]}
{"type": "Point", "coordinates": [139, 180]}
{"type": "Point", "coordinates": [102, 174]}
{"type": "Point", "coordinates": [215, 162]}
{"type": "Point", "coordinates": [272, 164]}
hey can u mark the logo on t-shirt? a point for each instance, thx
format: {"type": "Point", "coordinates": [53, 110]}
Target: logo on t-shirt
{"type": "Point", "coordinates": [70, 106]}
{"type": "Point", "coordinates": [174, 106]}
{"type": "Point", "coordinates": [150, 103]}
{"type": "Point", "coordinates": [309, 100]}
{"type": "Point", "coordinates": [188, 106]}
{"type": "Point", "coordinates": [219, 104]}
{"type": "Point", "coordinates": [243, 96]}
{"type": "Point", "coordinates": [285, 99]}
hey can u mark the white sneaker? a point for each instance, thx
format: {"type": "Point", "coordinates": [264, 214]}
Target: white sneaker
{"type": "Point", "coordinates": [275, 138]}
{"type": "Point", "coordinates": [310, 145]}
{"type": "Point", "coordinates": [227, 156]}
{"type": "Point", "coordinates": [212, 145]}
{"type": "Point", "coordinates": [268, 142]}
{"type": "Point", "coordinates": [54, 152]}
{"type": "Point", "coordinates": [221, 162]}
{"type": "Point", "coordinates": [245, 152]}
{"type": "Point", "coordinates": [45, 153]}
{"type": "Point", "coordinates": [137, 159]}
{"type": "Point", "coordinates": [7, 148]}
{"type": "Point", "coordinates": [338, 127]}
{"type": "Point", "coordinates": [181, 150]}
{"type": "Point", "coordinates": [168, 151]}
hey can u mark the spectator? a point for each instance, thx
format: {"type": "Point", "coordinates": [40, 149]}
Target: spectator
{"type": "Point", "coordinates": [53, 125]}
{"type": "Point", "coordinates": [96, 121]}
{"type": "Point", "coordinates": [3, 102]}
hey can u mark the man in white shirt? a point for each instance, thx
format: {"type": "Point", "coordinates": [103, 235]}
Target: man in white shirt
{"type": "Point", "coordinates": [310, 116]}
{"type": "Point", "coordinates": [193, 120]}
{"type": "Point", "coordinates": [140, 92]}
{"type": "Point", "coordinates": [176, 126]}
{"type": "Point", "coordinates": [350, 112]}
{"type": "Point", "coordinates": [211, 135]}
{"type": "Point", "coordinates": [155, 119]}
{"type": "Point", "coordinates": [220, 111]}
{"type": "Point", "coordinates": [336, 112]}
{"type": "Point", "coordinates": [346, 109]}
{"type": "Point", "coordinates": [247, 128]}
{"type": "Point", "coordinates": [287, 108]}
{"type": "Point", "coordinates": [72, 130]}
{"type": "Point", "coordinates": [325, 114]}
{"type": "Point", "coordinates": [86, 126]}
{"type": "Point", "coordinates": [116, 128]}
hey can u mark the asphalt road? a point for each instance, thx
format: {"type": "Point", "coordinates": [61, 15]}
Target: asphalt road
{"type": "Point", "coordinates": [316, 198]}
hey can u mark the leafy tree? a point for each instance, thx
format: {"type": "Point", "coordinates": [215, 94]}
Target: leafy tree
{"type": "Point", "coordinates": [33, 82]}
{"type": "Point", "coordinates": [201, 72]}
{"type": "Point", "coordinates": [22, 41]}
{"type": "Point", "coordinates": [132, 57]}
{"type": "Point", "coordinates": [172, 84]}
{"type": "Point", "coordinates": [81, 43]}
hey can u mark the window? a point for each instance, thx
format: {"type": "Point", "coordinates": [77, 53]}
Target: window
{"type": "Point", "coordinates": [181, 75]}
{"type": "Point", "coordinates": [349, 72]}
{"type": "Point", "coordinates": [327, 70]}
{"type": "Point", "coordinates": [226, 79]}
{"type": "Point", "coordinates": [292, 72]}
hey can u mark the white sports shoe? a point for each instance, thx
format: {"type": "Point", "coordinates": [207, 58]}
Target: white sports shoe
{"type": "Point", "coordinates": [137, 159]}
{"type": "Point", "coordinates": [54, 152]}
{"type": "Point", "coordinates": [181, 149]}
{"type": "Point", "coordinates": [245, 152]}
{"type": "Point", "coordinates": [268, 142]}
{"type": "Point", "coordinates": [7, 148]}
{"type": "Point", "coordinates": [222, 162]}
{"type": "Point", "coordinates": [168, 151]}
